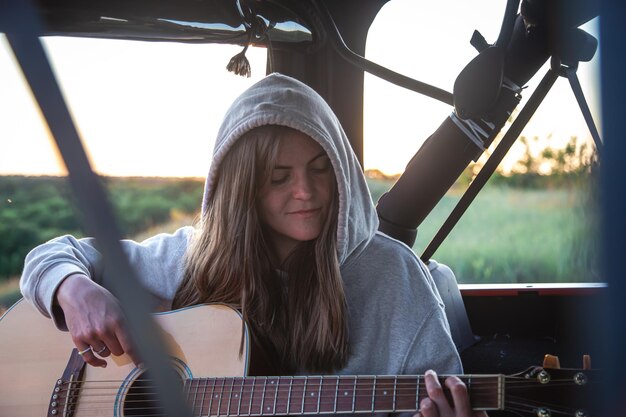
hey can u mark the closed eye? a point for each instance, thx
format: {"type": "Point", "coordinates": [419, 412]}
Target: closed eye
{"type": "Point", "coordinates": [321, 165]}
{"type": "Point", "coordinates": [280, 178]}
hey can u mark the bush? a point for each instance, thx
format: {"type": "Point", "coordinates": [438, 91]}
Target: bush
{"type": "Point", "coordinates": [36, 209]}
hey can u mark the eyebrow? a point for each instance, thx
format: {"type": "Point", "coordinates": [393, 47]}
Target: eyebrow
{"type": "Point", "coordinates": [319, 155]}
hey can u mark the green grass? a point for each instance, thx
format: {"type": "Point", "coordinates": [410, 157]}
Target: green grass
{"type": "Point", "coordinates": [507, 235]}
{"type": "Point", "coordinates": [513, 235]}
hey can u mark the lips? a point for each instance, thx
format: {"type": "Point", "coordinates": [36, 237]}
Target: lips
{"type": "Point", "coordinates": [305, 213]}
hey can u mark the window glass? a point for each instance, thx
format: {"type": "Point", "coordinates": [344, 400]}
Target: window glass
{"type": "Point", "coordinates": [147, 113]}
{"type": "Point", "coordinates": [160, 101]}
{"type": "Point", "coordinates": [536, 219]}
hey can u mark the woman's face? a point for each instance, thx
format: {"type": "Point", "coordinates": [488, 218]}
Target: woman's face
{"type": "Point", "coordinates": [294, 202]}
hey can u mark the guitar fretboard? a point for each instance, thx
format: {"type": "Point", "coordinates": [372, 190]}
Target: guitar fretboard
{"type": "Point", "coordinates": [267, 396]}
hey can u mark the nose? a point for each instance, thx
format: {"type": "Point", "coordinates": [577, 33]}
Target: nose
{"type": "Point", "coordinates": [303, 187]}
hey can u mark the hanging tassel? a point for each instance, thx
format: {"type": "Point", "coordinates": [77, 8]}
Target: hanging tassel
{"type": "Point", "coordinates": [239, 63]}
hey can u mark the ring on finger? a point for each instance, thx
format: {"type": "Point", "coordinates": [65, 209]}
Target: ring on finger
{"type": "Point", "coordinates": [99, 351]}
{"type": "Point", "coordinates": [82, 352]}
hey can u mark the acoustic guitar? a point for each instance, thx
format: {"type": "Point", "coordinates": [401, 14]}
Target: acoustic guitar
{"type": "Point", "coordinates": [41, 375]}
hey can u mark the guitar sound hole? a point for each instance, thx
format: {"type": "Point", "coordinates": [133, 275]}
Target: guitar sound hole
{"type": "Point", "coordinates": [141, 398]}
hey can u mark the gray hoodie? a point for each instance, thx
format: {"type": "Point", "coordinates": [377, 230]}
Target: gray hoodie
{"type": "Point", "coordinates": [396, 321]}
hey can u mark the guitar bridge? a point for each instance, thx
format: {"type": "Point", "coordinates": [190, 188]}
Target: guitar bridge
{"type": "Point", "coordinates": [66, 389]}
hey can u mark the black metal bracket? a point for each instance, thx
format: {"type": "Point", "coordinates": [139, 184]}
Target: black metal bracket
{"type": "Point", "coordinates": [373, 68]}
{"type": "Point", "coordinates": [492, 163]}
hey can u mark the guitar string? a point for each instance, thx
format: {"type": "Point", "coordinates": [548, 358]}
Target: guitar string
{"type": "Point", "coordinates": [522, 408]}
{"type": "Point", "coordinates": [534, 409]}
{"type": "Point", "coordinates": [324, 398]}
{"type": "Point", "coordinates": [282, 404]}
{"type": "Point", "coordinates": [361, 382]}
{"type": "Point", "coordinates": [530, 403]}
{"type": "Point", "coordinates": [521, 400]}
{"type": "Point", "coordinates": [245, 387]}
{"type": "Point", "coordinates": [309, 406]}
{"type": "Point", "coordinates": [525, 410]}
{"type": "Point", "coordinates": [368, 389]}
{"type": "Point", "coordinates": [239, 389]}
{"type": "Point", "coordinates": [363, 392]}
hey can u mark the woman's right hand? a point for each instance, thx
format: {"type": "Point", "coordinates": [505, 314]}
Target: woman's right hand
{"type": "Point", "coordinates": [94, 319]}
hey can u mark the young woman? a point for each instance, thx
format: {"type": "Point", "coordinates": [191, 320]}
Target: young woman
{"type": "Point", "coordinates": [288, 235]}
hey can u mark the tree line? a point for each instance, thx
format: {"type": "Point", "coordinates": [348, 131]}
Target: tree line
{"type": "Point", "coordinates": [36, 209]}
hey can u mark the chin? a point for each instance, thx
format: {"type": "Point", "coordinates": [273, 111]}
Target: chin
{"type": "Point", "coordinates": [305, 236]}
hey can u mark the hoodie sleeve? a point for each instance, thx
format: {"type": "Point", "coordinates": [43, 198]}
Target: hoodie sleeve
{"type": "Point", "coordinates": [158, 264]}
{"type": "Point", "coordinates": [432, 348]}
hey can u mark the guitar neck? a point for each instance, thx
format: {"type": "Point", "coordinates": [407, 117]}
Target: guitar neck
{"type": "Point", "coordinates": [264, 396]}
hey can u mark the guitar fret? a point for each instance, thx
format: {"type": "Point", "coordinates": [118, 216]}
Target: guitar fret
{"type": "Point", "coordinates": [319, 395]}
{"type": "Point", "coordinates": [389, 394]}
{"type": "Point", "coordinates": [230, 396]}
{"type": "Point", "coordinates": [211, 400]}
{"type": "Point", "coordinates": [263, 396]}
{"type": "Point", "coordinates": [373, 393]}
{"type": "Point", "coordinates": [306, 378]}
{"type": "Point", "coordinates": [336, 394]}
{"type": "Point", "coordinates": [395, 387]}
{"type": "Point", "coordinates": [206, 383]}
{"type": "Point", "coordinates": [251, 396]}
{"type": "Point", "coordinates": [195, 396]}
{"type": "Point", "coordinates": [276, 394]}
{"type": "Point", "coordinates": [219, 405]}
{"type": "Point", "coordinates": [356, 378]}
{"type": "Point", "coordinates": [417, 394]}
{"type": "Point", "coordinates": [289, 397]}
{"type": "Point", "coordinates": [240, 397]}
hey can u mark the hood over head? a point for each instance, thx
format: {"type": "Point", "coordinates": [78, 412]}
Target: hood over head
{"type": "Point", "coordinates": [281, 100]}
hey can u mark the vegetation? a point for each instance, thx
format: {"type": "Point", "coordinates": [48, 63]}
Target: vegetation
{"type": "Point", "coordinates": [523, 227]}
{"type": "Point", "coordinates": [36, 209]}
{"type": "Point", "coordinates": [537, 223]}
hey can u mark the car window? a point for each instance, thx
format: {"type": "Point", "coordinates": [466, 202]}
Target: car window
{"type": "Point", "coordinates": [147, 113]}
{"type": "Point", "coordinates": [152, 109]}
{"type": "Point", "coordinates": [536, 220]}
{"type": "Point", "coordinates": [160, 100]}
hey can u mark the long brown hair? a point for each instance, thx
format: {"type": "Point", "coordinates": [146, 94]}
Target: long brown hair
{"type": "Point", "coordinates": [297, 309]}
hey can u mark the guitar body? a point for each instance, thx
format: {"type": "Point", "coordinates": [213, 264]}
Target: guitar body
{"type": "Point", "coordinates": [202, 341]}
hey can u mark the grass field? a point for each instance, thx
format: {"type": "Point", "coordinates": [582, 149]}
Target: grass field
{"type": "Point", "coordinates": [507, 235]}
{"type": "Point", "coordinates": [515, 235]}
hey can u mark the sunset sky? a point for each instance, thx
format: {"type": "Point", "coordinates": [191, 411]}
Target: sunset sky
{"type": "Point", "coordinates": [153, 109]}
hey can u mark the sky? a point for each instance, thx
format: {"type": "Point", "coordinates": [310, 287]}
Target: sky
{"type": "Point", "coordinates": [153, 109]}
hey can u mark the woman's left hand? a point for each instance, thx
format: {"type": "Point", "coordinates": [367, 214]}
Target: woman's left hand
{"type": "Point", "coordinates": [437, 404]}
